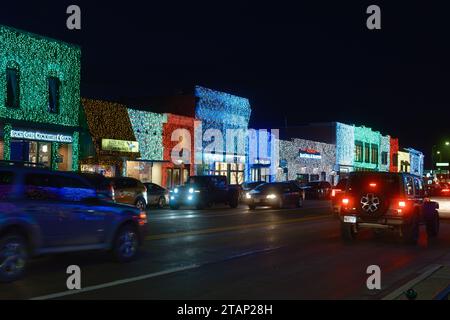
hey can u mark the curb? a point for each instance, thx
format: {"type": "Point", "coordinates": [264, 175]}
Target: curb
{"type": "Point", "coordinates": [397, 293]}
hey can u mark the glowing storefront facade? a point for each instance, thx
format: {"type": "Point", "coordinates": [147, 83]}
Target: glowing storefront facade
{"type": "Point", "coordinates": [306, 160]}
{"type": "Point", "coordinates": [39, 100]}
{"type": "Point", "coordinates": [221, 147]}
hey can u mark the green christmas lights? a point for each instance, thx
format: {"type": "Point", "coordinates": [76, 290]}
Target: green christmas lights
{"type": "Point", "coordinates": [368, 137]}
{"type": "Point", "coordinates": [7, 141]}
{"type": "Point", "coordinates": [75, 150]}
{"type": "Point", "coordinates": [36, 59]}
{"type": "Point", "coordinates": [148, 129]}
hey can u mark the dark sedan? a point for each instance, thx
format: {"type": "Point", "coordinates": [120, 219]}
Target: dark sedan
{"type": "Point", "coordinates": [276, 195]}
{"type": "Point", "coordinates": [320, 190]}
{"type": "Point", "coordinates": [157, 195]}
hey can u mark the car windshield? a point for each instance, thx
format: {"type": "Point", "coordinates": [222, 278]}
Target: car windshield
{"type": "Point", "coordinates": [269, 187]}
{"type": "Point", "coordinates": [313, 184]}
{"type": "Point", "coordinates": [386, 183]}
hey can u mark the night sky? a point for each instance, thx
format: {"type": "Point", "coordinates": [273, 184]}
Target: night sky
{"type": "Point", "coordinates": [300, 63]}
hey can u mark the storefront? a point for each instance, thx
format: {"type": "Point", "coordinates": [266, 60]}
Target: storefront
{"type": "Point", "coordinates": [40, 100]}
{"type": "Point", "coordinates": [223, 130]}
{"type": "Point", "coordinates": [50, 149]}
{"type": "Point", "coordinates": [148, 130]}
{"type": "Point", "coordinates": [306, 160]}
{"type": "Point", "coordinates": [112, 138]}
{"type": "Point", "coordinates": [262, 155]}
{"type": "Point", "coordinates": [178, 143]}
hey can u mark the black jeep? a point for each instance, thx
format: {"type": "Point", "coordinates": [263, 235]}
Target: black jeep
{"type": "Point", "coordinates": [387, 201]}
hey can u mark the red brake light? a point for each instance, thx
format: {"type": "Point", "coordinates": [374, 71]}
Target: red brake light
{"type": "Point", "coordinates": [402, 204]}
{"type": "Point", "coordinates": [372, 185]}
{"type": "Point", "coordinates": [445, 190]}
{"type": "Point", "coordinates": [345, 201]}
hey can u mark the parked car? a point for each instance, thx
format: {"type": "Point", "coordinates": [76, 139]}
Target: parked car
{"type": "Point", "coordinates": [336, 195]}
{"type": "Point", "coordinates": [129, 191]}
{"type": "Point", "coordinates": [387, 201]}
{"type": "Point", "coordinates": [204, 191]}
{"type": "Point", "coordinates": [44, 212]}
{"type": "Point", "coordinates": [157, 195]}
{"type": "Point", "coordinates": [320, 190]}
{"type": "Point", "coordinates": [276, 195]}
{"type": "Point", "coordinates": [102, 184]}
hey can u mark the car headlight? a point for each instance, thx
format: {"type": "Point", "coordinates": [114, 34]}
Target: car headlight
{"type": "Point", "coordinates": [248, 195]}
{"type": "Point", "coordinates": [175, 190]}
{"type": "Point", "coordinates": [271, 196]}
{"type": "Point", "coordinates": [191, 190]}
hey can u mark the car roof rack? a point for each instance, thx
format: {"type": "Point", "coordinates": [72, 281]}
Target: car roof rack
{"type": "Point", "coordinates": [22, 164]}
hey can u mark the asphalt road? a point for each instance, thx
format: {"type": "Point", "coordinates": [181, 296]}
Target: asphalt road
{"type": "Point", "coordinates": [238, 254]}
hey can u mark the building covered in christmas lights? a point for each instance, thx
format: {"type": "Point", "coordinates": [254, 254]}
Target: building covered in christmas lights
{"type": "Point", "coordinates": [221, 138]}
{"type": "Point", "coordinates": [306, 160]}
{"type": "Point", "coordinates": [178, 147]}
{"type": "Point", "coordinates": [112, 139]}
{"type": "Point", "coordinates": [262, 156]}
{"type": "Point", "coordinates": [39, 100]}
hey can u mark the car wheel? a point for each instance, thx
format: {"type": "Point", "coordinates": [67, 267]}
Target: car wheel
{"type": "Point", "coordinates": [141, 204]}
{"type": "Point", "coordinates": [251, 207]}
{"type": "Point", "coordinates": [13, 257]}
{"type": "Point", "coordinates": [410, 232]}
{"type": "Point", "coordinates": [433, 225]}
{"type": "Point", "coordinates": [126, 244]}
{"type": "Point", "coordinates": [348, 232]}
{"type": "Point", "coordinates": [161, 202]}
{"type": "Point", "coordinates": [174, 206]}
{"type": "Point", "coordinates": [234, 203]}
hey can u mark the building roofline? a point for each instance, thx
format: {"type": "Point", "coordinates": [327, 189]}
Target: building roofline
{"type": "Point", "coordinates": [39, 36]}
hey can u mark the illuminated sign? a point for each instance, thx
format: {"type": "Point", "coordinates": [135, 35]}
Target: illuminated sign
{"type": "Point", "coordinates": [442, 164]}
{"type": "Point", "coordinates": [41, 136]}
{"type": "Point", "coordinates": [310, 154]}
{"type": "Point", "coordinates": [120, 145]}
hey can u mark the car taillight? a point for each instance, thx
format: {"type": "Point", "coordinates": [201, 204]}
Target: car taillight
{"type": "Point", "coordinates": [402, 204]}
{"type": "Point", "coordinates": [445, 190]}
{"type": "Point", "coordinates": [345, 201]}
{"type": "Point", "coordinates": [142, 218]}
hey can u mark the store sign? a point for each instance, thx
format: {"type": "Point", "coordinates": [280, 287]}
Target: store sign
{"type": "Point", "coordinates": [310, 154]}
{"type": "Point", "coordinates": [120, 145]}
{"type": "Point", "coordinates": [41, 136]}
{"type": "Point", "coordinates": [442, 164]}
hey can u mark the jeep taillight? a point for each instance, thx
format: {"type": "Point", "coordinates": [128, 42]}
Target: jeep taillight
{"type": "Point", "coordinates": [346, 201]}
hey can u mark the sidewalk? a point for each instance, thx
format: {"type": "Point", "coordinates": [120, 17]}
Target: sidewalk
{"type": "Point", "coordinates": [432, 283]}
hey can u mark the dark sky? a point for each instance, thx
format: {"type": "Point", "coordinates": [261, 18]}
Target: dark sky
{"type": "Point", "coordinates": [312, 61]}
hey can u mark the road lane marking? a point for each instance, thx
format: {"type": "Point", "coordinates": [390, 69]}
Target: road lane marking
{"type": "Point", "coordinates": [116, 283]}
{"type": "Point", "coordinates": [233, 228]}
{"type": "Point", "coordinates": [195, 214]}
{"type": "Point", "coordinates": [152, 275]}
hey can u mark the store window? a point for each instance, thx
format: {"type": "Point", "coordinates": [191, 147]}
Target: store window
{"type": "Point", "coordinates": [395, 159]}
{"type": "Point", "coordinates": [358, 151]}
{"type": "Point", "coordinates": [12, 88]}
{"type": "Point", "coordinates": [374, 154]}
{"type": "Point", "coordinates": [140, 170]}
{"type": "Point", "coordinates": [2, 149]}
{"type": "Point", "coordinates": [314, 177]}
{"type": "Point", "coordinates": [384, 158]}
{"type": "Point", "coordinates": [31, 151]}
{"type": "Point", "coordinates": [53, 94]}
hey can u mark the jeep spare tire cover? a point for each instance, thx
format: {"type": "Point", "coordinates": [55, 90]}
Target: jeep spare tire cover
{"type": "Point", "coordinates": [372, 204]}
